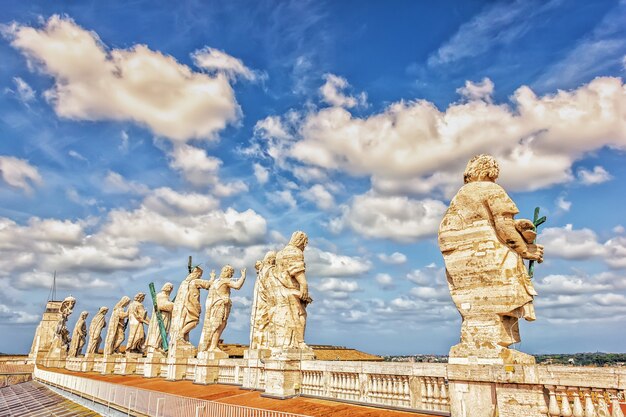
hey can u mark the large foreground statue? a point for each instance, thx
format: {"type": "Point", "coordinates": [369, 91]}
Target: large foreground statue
{"type": "Point", "coordinates": [218, 305]}
{"type": "Point", "coordinates": [78, 336]}
{"type": "Point", "coordinates": [483, 249]}
{"type": "Point", "coordinates": [95, 330]}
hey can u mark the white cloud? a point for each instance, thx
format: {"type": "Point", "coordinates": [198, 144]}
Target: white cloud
{"type": "Point", "coordinates": [395, 258]}
{"type": "Point", "coordinates": [581, 244]}
{"type": "Point", "coordinates": [320, 196]}
{"type": "Point", "coordinates": [477, 91]}
{"type": "Point", "coordinates": [214, 60]}
{"type": "Point", "coordinates": [332, 93]}
{"type": "Point", "coordinates": [116, 183]}
{"type": "Point", "coordinates": [384, 280]}
{"type": "Point", "coordinates": [76, 155]}
{"type": "Point", "coordinates": [93, 82]}
{"type": "Point", "coordinates": [261, 173]}
{"type": "Point", "coordinates": [336, 288]}
{"type": "Point", "coordinates": [24, 91]}
{"type": "Point", "coordinates": [282, 198]}
{"type": "Point", "coordinates": [201, 170]}
{"type": "Point", "coordinates": [327, 264]}
{"type": "Point", "coordinates": [18, 173]}
{"type": "Point", "coordinates": [10, 316]}
{"type": "Point", "coordinates": [563, 204]}
{"type": "Point", "coordinates": [399, 218]}
{"type": "Point", "coordinates": [403, 148]}
{"type": "Point", "coordinates": [125, 141]}
{"type": "Point", "coordinates": [619, 229]}
{"type": "Point", "coordinates": [597, 176]}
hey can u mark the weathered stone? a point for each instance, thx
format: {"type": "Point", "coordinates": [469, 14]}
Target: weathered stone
{"type": "Point", "coordinates": [165, 306]}
{"type": "Point", "coordinates": [78, 336]}
{"type": "Point", "coordinates": [95, 331]}
{"type": "Point", "coordinates": [137, 317]}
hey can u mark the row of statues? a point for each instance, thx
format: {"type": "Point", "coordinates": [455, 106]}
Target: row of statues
{"type": "Point", "coordinates": [278, 312]}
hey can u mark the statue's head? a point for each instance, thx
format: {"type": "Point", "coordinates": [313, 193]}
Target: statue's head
{"type": "Point", "coordinates": [103, 310]}
{"type": "Point", "coordinates": [140, 297]}
{"type": "Point", "coordinates": [227, 272]}
{"type": "Point", "coordinates": [196, 273]}
{"type": "Point", "coordinates": [481, 168]}
{"type": "Point", "coordinates": [123, 302]}
{"type": "Point", "coordinates": [299, 239]}
{"type": "Point", "coordinates": [69, 302]}
{"type": "Point", "coordinates": [84, 315]}
{"type": "Point", "coordinates": [167, 287]}
{"type": "Point", "coordinates": [270, 258]}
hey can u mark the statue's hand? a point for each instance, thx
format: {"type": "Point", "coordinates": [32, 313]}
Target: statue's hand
{"type": "Point", "coordinates": [304, 292]}
{"type": "Point", "coordinates": [534, 253]}
{"type": "Point", "coordinates": [212, 275]}
{"type": "Point", "coordinates": [243, 273]}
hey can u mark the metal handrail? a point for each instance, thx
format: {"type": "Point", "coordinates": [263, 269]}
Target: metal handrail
{"type": "Point", "coordinates": [149, 402]}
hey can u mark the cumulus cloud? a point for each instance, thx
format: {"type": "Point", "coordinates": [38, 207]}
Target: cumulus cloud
{"type": "Point", "coordinates": [403, 148]}
{"type": "Point", "coordinates": [327, 264]}
{"type": "Point", "coordinates": [18, 173]}
{"type": "Point", "coordinates": [320, 196]}
{"type": "Point", "coordinates": [477, 91]}
{"type": "Point", "coordinates": [216, 61]}
{"type": "Point", "coordinates": [396, 217]}
{"type": "Point", "coordinates": [202, 170]}
{"type": "Point", "coordinates": [581, 244]}
{"type": "Point", "coordinates": [332, 93]}
{"type": "Point", "coordinates": [563, 204]}
{"type": "Point", "coordinates": [94, 82]}
{"type": "Point", "coordinates": [11, 316]}
{"type": "Point", "coordinates": [395, 258]}
{"type": "Point", "coordinates": [384, 280]}
{"type": "Point", "coordinates": [597, 176]}
{"type": "Point", "coordinates": [336, 288]}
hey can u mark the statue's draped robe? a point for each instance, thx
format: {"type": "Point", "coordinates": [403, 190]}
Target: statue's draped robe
{"type": "Point", "coordinates": [78, 338]}
{"type": "Point", "coordinates": [115, 333]}
{"type": "Point", "coordinates": [289, 332]}
{"type": "Point", "coordinates": [260, 317]}
{"type": "Point", "coordinates": [136, 335]}
{"type": "Point", "coordinates": [467, 237]}
{"type": "Point", "coordinates": [217, 312]}
{"type": "Point", "coordinates": [165, 307]}
{"type": "Point", "coordinates": [95, 330]}
{"type": "Point", "coordinates": [186, 309]}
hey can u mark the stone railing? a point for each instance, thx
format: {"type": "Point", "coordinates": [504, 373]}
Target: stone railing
{"type": "Point", "coordinates": [231, 371]}
{"type": "Point", "coordinates": [414, 386]}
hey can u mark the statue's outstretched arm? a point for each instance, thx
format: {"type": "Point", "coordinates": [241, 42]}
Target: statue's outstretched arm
{"type": "Point", "coordinates": [239, 283]}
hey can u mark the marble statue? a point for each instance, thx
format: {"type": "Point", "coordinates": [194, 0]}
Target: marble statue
{"type": "Point", "coordinates": [117, 326]}
{"type": "Point", "coordinates": [137, 317]}
{"type": "Point", "coordinates": [78, 336]}
{"type": "Point", "coordinates": [95, 330]}
{"type": "Point", "coordinates": [218, 305]}
{"type": "Point", "coordinates": [291, 295]}
{"type": "Point", "coordinates": [165, 307]}
{"type": "Point", "coordinates": [61, 340]}
{"type": "Point", "coordinates": [483, 247]}
{"type": "Point", "coordinates": [187, 308]}
{"type": "Point", "coordinates": [262, 303]}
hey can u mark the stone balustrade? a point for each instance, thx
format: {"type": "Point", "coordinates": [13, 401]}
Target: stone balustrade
{"type": "Point", "coordinates": [231, 371]}
{"type": "Point", "coordinates": [416, 386]}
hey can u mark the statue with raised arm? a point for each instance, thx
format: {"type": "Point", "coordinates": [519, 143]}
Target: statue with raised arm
{"type": "Point", "coordinates": [291, 294]}
{"type": "Point", "coordinates": [262, 303]}
{"type": "Point", "coordinates": [137, 317]}
{"type": "Point", "coordinates": [95, 330]}
{"type": "Point", "coordinates": [61, 340]}
{"type": "Point", "coordinates": [117, 326]}
{"type": "Point", "coordinates": [78, 336]}
{"type": "Point", "coordinates": [165, 307]}
{"type": "Point", "coordinates": [483, 247]}
{"type": "Point", "coordinates": [218, 305]}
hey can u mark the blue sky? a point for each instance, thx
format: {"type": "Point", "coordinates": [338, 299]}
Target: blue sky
{"type": "Point", "coordinates": [134, 134]}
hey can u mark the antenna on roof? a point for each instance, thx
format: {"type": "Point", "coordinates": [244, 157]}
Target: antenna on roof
{"type": "Point", "coordinates": [53, 291]}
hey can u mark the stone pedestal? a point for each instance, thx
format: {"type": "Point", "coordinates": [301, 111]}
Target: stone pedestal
{"type": "Point", "coordinates": [55, 358]}
{"type": "Point", "coordinates": [177, 361]}
{"type": "Point", "coordinates": [254, 371]}
{"type": "Point", "coordinates": [108, 363]}
{"type": "Point", "coordinates": [153, 363]}
{"type": "Point", "coordinates": [126, 364]}
{"type": "Point", "coordinates": [283, 378]}
{"type": "Point", "coordinates": [88, 362]}
{"type": "Point", "coordinates": [74, 364]}
{"type": "Point", "coordinates": [208, 369]}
